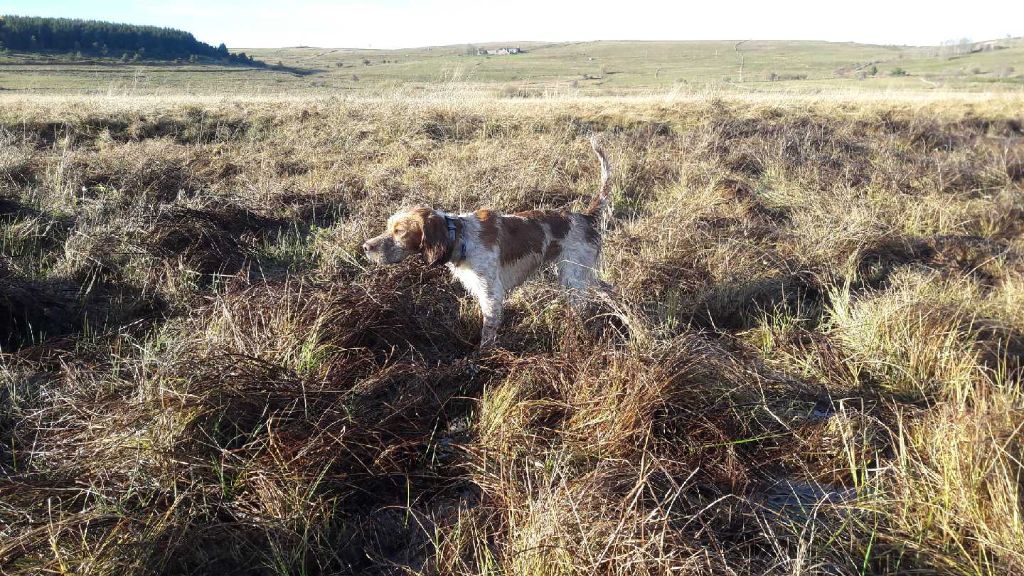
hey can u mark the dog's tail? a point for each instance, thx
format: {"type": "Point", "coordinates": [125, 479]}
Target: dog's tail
{"type": "Point", "coordinates": [601, 201]}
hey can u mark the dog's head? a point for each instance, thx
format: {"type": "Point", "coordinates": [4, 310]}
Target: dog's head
{"type": "Point", "coordinates": [420, 230]}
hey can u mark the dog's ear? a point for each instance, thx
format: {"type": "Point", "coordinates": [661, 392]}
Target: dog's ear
{"type": "Point", "coordinates": [435, 245]}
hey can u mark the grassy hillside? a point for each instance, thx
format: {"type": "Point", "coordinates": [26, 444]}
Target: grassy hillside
{"type": "Point", "coordinates": [588, 68]}
{"type": "Point", "coordinates": [811, 362]}
{"type": "Point", "coordinates": [632, 65]}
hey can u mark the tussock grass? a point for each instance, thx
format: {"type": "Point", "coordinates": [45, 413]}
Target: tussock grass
{"type": "Point", "coordinates": [811, 362]}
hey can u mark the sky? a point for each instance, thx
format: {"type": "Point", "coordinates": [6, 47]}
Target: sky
{"type": "Point", "coordinates": [412, 23]}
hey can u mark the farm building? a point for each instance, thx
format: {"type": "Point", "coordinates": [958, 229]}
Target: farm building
{"type": "Point", "coordinates": [498, 51]}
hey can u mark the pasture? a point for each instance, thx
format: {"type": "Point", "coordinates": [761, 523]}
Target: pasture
{"type": "Point", "coordinates": [561, 69]}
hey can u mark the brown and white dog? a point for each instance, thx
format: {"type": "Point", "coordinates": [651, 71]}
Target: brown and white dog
{"type": "Point", "coordinates": [491, 253]}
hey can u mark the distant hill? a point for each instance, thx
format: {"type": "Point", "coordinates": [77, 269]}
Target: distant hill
{"type": "Point", "coordinates": [625, 66]}
{"type": "Point", "coordinates": [541, 68]}
{"type": "Point", "coordinates": [97, 38]}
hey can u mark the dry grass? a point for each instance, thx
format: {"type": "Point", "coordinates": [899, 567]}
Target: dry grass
{"type": "Point", "coordinates": [812, 362]}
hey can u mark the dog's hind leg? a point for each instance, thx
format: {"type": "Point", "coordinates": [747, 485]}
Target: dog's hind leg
{"type": "Point", "coordinates": [578, 276]}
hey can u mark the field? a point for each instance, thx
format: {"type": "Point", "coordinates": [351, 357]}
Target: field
{"type": "Point", "coordinates": [811, 361]}
{"type": "Point", "coordinates": [572, 68]}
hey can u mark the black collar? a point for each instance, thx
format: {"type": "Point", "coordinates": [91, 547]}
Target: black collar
{"type": "Point", "coordinates": [452, 230]}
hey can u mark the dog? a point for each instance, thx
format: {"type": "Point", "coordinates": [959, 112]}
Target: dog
{"type": "Point", "coordinates": [491, 254]}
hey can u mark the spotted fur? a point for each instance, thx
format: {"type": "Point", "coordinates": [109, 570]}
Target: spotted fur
{"type": "Point", "coordinates": [502, 250]}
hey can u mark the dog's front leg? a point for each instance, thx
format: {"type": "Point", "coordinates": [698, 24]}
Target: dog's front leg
{"type": "Point", "coordinates": [489, 295]}
{"type": "Point", "coordinates": [490, 308]}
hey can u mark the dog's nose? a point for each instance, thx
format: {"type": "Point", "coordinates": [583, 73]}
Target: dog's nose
{"type": "Point", "coordinates": [366, 246]}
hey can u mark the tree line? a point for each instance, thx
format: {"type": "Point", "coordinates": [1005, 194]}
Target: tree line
{"type": "Point", "coordinates": [96, 38]}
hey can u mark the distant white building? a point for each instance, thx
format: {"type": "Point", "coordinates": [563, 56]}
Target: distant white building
{"type": "Point", "coordinates": [987, 46]}
{"type": "Point", "coordinates": [499, 51]}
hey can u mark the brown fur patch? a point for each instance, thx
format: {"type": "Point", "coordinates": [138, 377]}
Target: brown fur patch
{"type": "Point", "coordinates": [436, 246]}
{"type": "Point", "coordinates": [488, 227]}
{"type": "Point", "coordinates": [407, 231]}
{"type": "Point", "coordinates": [422, 230]}
{"type": "Point", "coordinates": [520, 237]}
{"type": "Point", "coordinates": [558, 222]}
{"type": "Point", "coordinates": [553, 252]}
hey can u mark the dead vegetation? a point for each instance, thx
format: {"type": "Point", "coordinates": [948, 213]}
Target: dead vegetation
{"type": "Point", "coordinates": [812, 363]}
